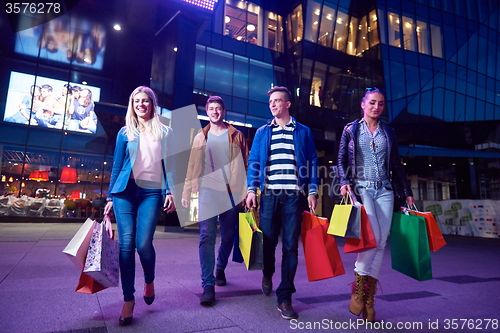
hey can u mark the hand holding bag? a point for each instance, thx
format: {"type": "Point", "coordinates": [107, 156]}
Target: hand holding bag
{"type": "Point", "coordinates": [345, 219]}
{"type": "Point", "coordinates": [78, 246]}
{"type": "Point", "coordinates": [321, 253]}
{"type": "Point", "coordinates": [102, 258]}
{"type": "Point", "coordinates": [366, 240]}
{"type": "Point", "coordinates": [251, 241]}
{"type": "Point", "coordinates": [410, 253]}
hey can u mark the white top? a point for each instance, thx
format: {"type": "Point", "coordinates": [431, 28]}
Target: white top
{"type": "Point", "coordinates": [147, 165]}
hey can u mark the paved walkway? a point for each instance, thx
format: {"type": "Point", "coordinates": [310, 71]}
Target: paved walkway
{"type": "Point", "coordinates": [37, 284]}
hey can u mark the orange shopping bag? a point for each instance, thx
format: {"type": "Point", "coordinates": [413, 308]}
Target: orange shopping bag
{"type": "Point", "coordinates": [436, 239]}
{"type": "Point", "coordinates": [88, 285]}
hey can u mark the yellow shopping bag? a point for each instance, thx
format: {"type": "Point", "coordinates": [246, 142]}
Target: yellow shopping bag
{"type": "Point", "coordinates": [344, 216]}
{"type": "Point", "coordinates": [251, 241]}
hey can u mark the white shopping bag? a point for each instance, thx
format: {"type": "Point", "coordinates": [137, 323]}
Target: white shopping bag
{"type": "Point", "coordinates": [79, 244]}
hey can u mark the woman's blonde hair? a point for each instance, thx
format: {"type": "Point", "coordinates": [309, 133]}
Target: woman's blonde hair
{"type": "Point", "coordinates": [131, 122]}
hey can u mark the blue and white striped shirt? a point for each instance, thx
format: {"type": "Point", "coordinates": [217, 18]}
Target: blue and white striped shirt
{"type": "Point", "coordinates": [372, 154]}
{"type": "Point", "coordinates": [281, 168]}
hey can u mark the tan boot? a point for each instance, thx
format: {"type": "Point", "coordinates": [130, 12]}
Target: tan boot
{"type": "Point", "coordinates": [357, 303]}
{"type": "Point", "coordinates": [369, 299]}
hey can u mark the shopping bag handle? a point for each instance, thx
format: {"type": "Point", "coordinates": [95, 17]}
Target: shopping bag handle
{"type": "Point", "coordinates": [346, 199]}
{"type": "Point", "coordinates": [109, 227]}
{"type": "Point", "coordinates": [413, 207]}
{"type": "Point", "coordinates": [312, 211]}
{"type": "Point", "coordinates": [255, 214]}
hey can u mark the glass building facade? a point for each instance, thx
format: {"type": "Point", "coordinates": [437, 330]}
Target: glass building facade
{"type": "Point", "coordinates": [438, 62]}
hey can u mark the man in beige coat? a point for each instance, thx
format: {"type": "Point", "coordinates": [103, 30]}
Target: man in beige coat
{"type": "Point", "coordinates": [217, 171]}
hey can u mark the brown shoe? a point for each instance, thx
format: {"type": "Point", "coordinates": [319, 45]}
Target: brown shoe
{"type": "Point", "coordinates": [287, 311]}
{"type": "Point", "coordinates": [356, 304]}
{"type": "Point", "coordinates": [369, 299]}
{"type": "Point", "coordinates": [267, 285]}
{"type": "Point", "coordinates": [208, 296]}
{"type": "Point", "coordinates": [220, 278]}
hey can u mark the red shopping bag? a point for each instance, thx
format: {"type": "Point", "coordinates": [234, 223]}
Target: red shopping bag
{"type": "Point", "coordinates": [321, 254]}
{"type": "Point", "coordinates": [88, 285]}
{"type": "Point", "coordinates": [436, 239]}
{"type": "Point", "coordinates": [366, 240]}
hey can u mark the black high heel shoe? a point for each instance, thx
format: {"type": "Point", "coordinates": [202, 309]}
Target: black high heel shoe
{"type": "Point", "coordinates": [148, 300]}
{"type": "Point", "coordinates": [126, 321]}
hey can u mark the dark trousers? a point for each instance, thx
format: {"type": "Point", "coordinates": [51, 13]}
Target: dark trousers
{"type": "Point", "coordinates": [281, 211]}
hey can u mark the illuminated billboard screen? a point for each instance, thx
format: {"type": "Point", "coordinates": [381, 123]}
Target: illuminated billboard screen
{"type": "Point", "coordinates": [45, 102]}
{"type": "Point", "coordinates": [76, 41]}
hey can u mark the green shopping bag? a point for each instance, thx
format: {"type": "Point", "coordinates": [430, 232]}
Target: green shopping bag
{"type": "Point", "coordinates": [410, 252]}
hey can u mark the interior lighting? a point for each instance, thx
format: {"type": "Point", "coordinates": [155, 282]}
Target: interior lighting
{"type": "Point", "coordinates": [251, 27]}
{"type": "Point", "coordinates": [239, 38]}
{"type": "Point", "coordinates": [227, 19]}
{"type": "Point", "coordinates": [39, 175]}
{"type": "Point", "coordinates": [68, 175]}
{"type": "Point", "coordinates": [315, 22]}
{"type": "Point", "coordinates": [316, 12]}
{"type": "Point", "coordinates": [329, 17]}
{"type": "Point", "coordinates": [75, 194]}
{"type": "Point", "coordinates": [206, 4]}
{"type": "Point", "coordinates": [117, 27]}
{"type": "Point", "coordinates": [374, 18]}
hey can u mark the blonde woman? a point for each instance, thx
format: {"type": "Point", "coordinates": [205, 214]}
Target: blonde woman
{"type": "Point", "coordinates": [142, 175]}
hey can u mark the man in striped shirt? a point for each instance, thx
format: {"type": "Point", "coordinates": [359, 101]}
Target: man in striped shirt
{"type": "Point", "coordinates": [283, 164]}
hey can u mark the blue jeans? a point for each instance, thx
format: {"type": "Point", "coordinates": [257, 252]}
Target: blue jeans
{"type": "Point", "coordinates": [137, 210]}
{"type": "Point", "coordinates": [378, 202]}
{"type": "Point", "coordinates": [282, 211]}
{"type": "Point", "coordinates": [18, 118]}
{"type": "Point", "coordinates": [209, 200]}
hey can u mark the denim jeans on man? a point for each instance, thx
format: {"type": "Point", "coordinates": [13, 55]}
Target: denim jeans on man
{"type": "Point", "coordinates": [137, 210]}
{"type": "Point", "coordinates": [378, 201]}
{"type": "Point", "coordinates": [281, 209]}
{"type": "Point", "coordinates": [210, 201]}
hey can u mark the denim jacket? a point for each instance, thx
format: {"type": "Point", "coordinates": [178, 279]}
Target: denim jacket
{"type": "Point", "coordinates": [305, 156]}
{"type": "Point", "coordinates": [124, 158]}
{"type": "Point", "coordinates": [347, 158]}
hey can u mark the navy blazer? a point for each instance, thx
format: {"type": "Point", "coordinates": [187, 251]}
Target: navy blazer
{"type": "Point", "coordinates": [124, 158]}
